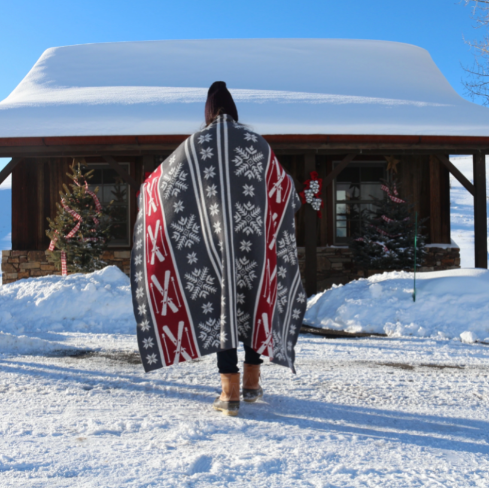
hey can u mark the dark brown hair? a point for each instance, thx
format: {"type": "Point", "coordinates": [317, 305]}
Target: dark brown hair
{"type": "Point", "coordinates": [219, 102]}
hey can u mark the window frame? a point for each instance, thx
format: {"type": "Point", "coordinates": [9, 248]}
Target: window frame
{"type": "Point", "coordinates": [127, 166]}
{"type": "Point", "coordinates": [344, 241]}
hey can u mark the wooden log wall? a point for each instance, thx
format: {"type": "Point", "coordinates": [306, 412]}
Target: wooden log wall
{"type": "Point", "coordinates": [36, 184]}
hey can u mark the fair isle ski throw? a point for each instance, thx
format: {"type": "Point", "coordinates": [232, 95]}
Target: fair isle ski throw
{"type": "Point", "coordinates": [214, 260]}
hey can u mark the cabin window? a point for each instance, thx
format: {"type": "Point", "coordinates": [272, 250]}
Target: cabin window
{"type": "Point", "coordinates": [113, 188]}
{"type": "Point", "coordinates": [354, 190]}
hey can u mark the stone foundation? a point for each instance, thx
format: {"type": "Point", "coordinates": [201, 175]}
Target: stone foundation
{"type": "Point", "coordinates": [29, 264]}
{"type": "Point", "coordinates": [336, 267]}
{"type": "Point", "coordinates": [335, 264]}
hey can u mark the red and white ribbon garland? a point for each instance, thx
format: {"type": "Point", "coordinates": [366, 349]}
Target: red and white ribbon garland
{"type": "Point", "coordinates": [389, 194]}
{"type": "Point", "coordinates": [72, 233]}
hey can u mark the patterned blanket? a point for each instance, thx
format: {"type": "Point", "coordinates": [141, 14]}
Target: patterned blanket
{"type": "Point", "coordinates": [214, 260]}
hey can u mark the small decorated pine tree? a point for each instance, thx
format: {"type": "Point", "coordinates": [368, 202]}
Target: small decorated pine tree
{"type": "Point", "coordinates": [387, 234]}
{"type": "Point", "coordinates": [81, 227]}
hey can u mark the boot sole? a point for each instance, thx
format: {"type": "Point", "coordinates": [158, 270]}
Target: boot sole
{"type": "Point", "coordinates": [252, 400]}
{"type": "Point", "coordinates": [230, 413]}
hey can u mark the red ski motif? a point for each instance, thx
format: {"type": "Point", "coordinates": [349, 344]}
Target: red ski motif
{"type": "Point", "coordinates": [175, 335]}
{"type": "Point", "coordinates": [279, 188]}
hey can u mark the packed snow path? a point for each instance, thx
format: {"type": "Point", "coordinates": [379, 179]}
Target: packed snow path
{"type": "Point", "coordinates": [369, 412]}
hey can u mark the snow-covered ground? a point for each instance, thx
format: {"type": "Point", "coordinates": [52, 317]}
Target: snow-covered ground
{"type": "Point", "coordinates": [77, 409]}
{"type": "Point", "coordinates": [452, 304]}
{"type": "Point", "coordinates": [359, 413]}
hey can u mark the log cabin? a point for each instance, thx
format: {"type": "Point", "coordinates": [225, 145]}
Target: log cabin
{"type": "Point", "coordinates": [339, 107]}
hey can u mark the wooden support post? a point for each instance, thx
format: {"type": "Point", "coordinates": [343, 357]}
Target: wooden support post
{"type": "Point", "coordinates": [480, 211]}
{"type": "Point", "coordinates": [122, 173]}
{"type": "Point", "coordinates": [310, 221]}
{"type": "Point", "coordinates": [8, 169]}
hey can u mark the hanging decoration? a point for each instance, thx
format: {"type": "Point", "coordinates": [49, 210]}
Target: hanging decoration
{"type": "Point", "coordinates": [311, 193]}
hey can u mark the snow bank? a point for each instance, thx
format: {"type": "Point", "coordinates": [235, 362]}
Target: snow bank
{"type": "Point", "coordinates": [36, 310]}
{"type": "Point", "coordinates": [449, 304]}
{"type": "Point", "coordinates": [281, 86]}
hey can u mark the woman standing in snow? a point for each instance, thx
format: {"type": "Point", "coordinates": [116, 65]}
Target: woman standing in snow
{"type": "Point", "coordinates": [214, 259]}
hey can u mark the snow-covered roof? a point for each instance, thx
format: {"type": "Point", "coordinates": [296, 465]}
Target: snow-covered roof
{"type": "Point", "coordinates": [281, 86]}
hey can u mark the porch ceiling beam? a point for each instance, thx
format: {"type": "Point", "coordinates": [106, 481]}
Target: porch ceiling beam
{"type": "Point", "coordinates": [346, 161]}
{"type": "Point", "coordinates": [457, 173]}
{"type": "Point", "coordinates": [279, 148]}
{"type": "Point", "coordinates": [122, 172]}
{"type": "Point", "coordinates": [8, 169]}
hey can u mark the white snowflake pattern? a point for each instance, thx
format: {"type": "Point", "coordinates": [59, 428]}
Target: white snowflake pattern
{"type": "Point", "coordinates": [290, 346]}
{"type": "Point", "coordinates": [200, 283]}
{"type": "Point", "coordinates": [209, 172]}
{"type": "Point", "coordinates": [281, 297]}
{"type": "Point", "coordinates": [186, 232]}
{"type": "Point", "coordinates": [142, 309]}
{"type": "Point", "coordinates": [211, 191]}
{"type": "Point", "coordinates": [250, 137]}
{"type": "Point", "coordinates": [207, 308]}
{"type": "Point", "coordinates": [206, 153]}
{"type": "Point", "coordinates": [221, 245]}
{"type": "Point", "coordinates": [148, 343]}
{"type": "Point", "coordinates": [139, 244]}
{"type": "Point", "coordinates": [174, 181]}
{"type": "Point", "coordinates": [210, 333]}
{"type": "Point", "coordinates": [301, 297]}
{"type": "Point", "coordinates": [140, 228]}
{"type": "Point", "coordinates": [243, 322]}
{"type": "Point", "coordinates": [138, 259]}
{"type": "Point", "coordinates": [214, 209]}
{"type": "Point", "coordinates": [249, 190]}
{"type": "Point", "coordinates": [151, 358]}
{"type": "Point", "coordinates": [173, 159]}
{"type": "Point", "coordinates": [240, 298]}
{"type": "Point", "coordinates": [178, 206]}
{"type": "Point", "coordinates": [139, 293]}
{"type": "Point", "coordinates": [192, 258]}
{"type": "Point", "coordinates": [145, 325]}
{"type": "Point", "coordinates": [138, 276]}
{"type": "Point", "coordinates": [248, 163]}
{"type": "Point", "coordinates": [223, 335]}
{"type": "Point", "coordinates": [245, 273]}
{"type": "Point", "coordinates": [296, 314]}
{"type": "Point", "coordinates": [248, 218]}
{"type": "Point", "coordinates": [245, 246]}
{"type": "Point", "coordinates": [205, 138]}
{"type": "Point", "coordinates": [282, 271]}
{"type": "Point", "coordinates": [279, 349]}
{"type": "Point", "coordinates": [292, 329]}
{"type": "Point", "coordinates": [217, 227]}
{"type": "Point", "coordinates": [287, 248]}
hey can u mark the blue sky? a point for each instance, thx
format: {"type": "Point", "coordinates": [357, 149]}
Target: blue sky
{"type": "Point", "coordinates": [28, 27]}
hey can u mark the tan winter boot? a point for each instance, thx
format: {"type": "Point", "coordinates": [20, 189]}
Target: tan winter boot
{"type": "Point", "coordinates": [228, 402]}
{"type": "Point", "coordinates": [252, 390]}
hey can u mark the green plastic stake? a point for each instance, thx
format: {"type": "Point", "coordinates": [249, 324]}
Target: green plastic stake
{"type": "Point", "coordinates": [415, 245]}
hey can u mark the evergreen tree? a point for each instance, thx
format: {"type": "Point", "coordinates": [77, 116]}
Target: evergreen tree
{"type": "Point", "coordinates": [387, 234]}
{"type": "Point", "coordinates": [81, 227]}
